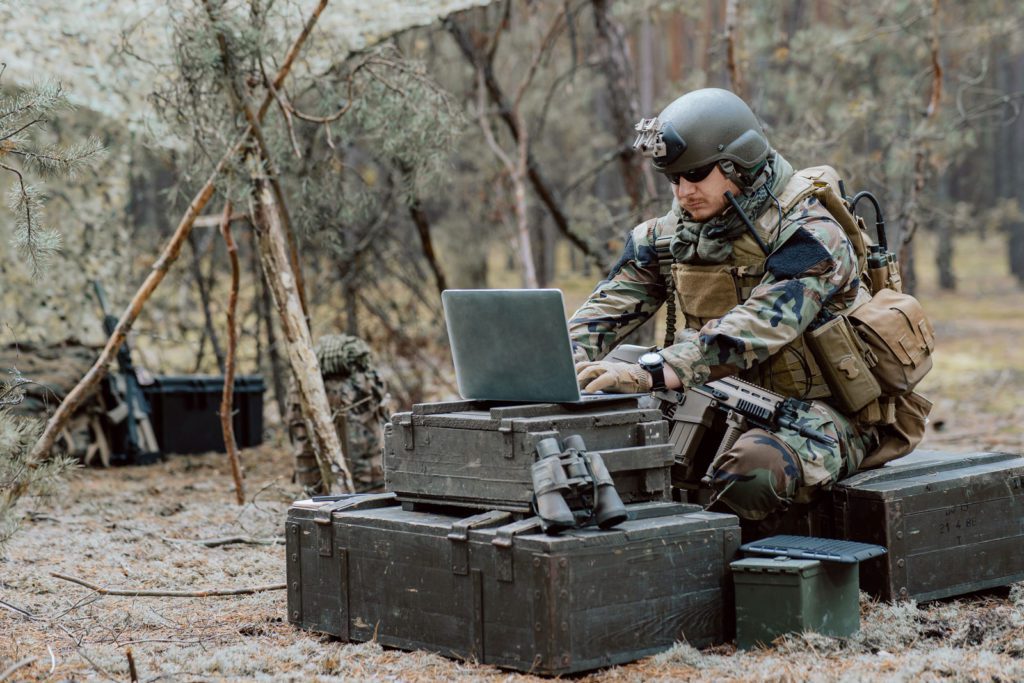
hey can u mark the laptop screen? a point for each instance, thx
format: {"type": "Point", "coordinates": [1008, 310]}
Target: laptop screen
{"type": "Point", "coordinates": [510, 345]}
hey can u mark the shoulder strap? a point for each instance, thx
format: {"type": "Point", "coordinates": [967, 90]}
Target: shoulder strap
{"type": "Point", "coordinates": [665, 260]}
{"type": "Point", "coordinates": [853, 228]}
{"type": "Point", "coordinates": [822, 182]}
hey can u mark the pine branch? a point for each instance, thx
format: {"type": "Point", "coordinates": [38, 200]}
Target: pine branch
{"type": "Point", "coordinates": [42, 99]}
{"type": "Point", "coordinates": [55, 161]}
{"type": "Point", "coordinates": [28, 125]}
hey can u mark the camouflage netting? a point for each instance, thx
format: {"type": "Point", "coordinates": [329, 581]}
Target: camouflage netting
{"type": "Point", "coordinates": [52, 371]}
{"type": "Point", "coordinates": [81, 43]}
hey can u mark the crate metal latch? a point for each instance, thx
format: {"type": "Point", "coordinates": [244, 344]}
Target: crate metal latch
{"type": "Point", "coordinates": [459, 536]}
{"type": "Point", "coordinates": [347, 502]}
{"type": "Point", "coordinates": [502, 542]}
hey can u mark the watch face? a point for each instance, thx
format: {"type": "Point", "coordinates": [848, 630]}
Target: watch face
{"type": "Point", "coordinates": [651, 358]}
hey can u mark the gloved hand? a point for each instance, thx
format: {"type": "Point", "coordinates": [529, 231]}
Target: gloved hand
{"type": "Point", "coordinates": [613, 377]}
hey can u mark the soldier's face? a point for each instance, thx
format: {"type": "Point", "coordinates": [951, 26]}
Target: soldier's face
{"type": "Point", "coordinates": [705, 199]}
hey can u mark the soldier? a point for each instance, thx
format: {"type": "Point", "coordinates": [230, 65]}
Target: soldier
{"type": "Point", "coordinates": [745, 299]}
{"type": "Point", "coordinates": [358, 398]}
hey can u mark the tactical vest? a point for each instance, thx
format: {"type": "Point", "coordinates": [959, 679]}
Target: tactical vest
{"type": "Point", "coordinates": [707, 292]}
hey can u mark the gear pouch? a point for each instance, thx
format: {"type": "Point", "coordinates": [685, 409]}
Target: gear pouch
{"type": "Point", "coordinates": [845, 363]}
{"type": "Point", "coordinates": [903, 435]}
{"type": "Point", "coordinates": [894, 327]}
{"type": "Point", "coordinates": [705, 292]}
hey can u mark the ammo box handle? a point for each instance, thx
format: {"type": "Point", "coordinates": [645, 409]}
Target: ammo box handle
{"type": "Point", "coordinates": [459, 536]}
{"type": "Point", "coordinates": [352, 502]}
{"type": "Point", "coordinates": [502, 542]}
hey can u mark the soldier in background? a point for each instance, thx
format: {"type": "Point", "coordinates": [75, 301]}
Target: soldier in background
{"type": "Point", "coordinates": [358, 400]}
{"type": "Point", "coordinates": [744, 300]}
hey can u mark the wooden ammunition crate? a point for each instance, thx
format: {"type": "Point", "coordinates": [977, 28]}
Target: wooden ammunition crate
{"type": "Point", "coordinates": [478, 454]}
{"type": "Point", "coordinates": [497, 591]}
{"type": "Point", "coordinates": [953, 523]}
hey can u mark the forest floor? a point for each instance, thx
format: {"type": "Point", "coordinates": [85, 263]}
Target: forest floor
{"type": "Point", "coordinates": [136, 528]}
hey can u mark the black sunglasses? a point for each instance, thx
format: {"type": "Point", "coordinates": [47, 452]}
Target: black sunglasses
{"type": "Point", "coordinates": [694, 175]}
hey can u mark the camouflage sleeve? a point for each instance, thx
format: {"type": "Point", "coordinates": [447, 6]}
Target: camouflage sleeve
{"type": "Point", "coordinates": [814, 264]}
{"type": "Point", "coordinates": [632, 293]}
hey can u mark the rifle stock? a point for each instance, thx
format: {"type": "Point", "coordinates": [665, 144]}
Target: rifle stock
{"type": "Point", "coordinates": [131, 406]}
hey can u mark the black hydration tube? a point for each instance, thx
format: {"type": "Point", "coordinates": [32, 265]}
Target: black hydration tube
{"type": "Point", "coordinates": [746, 221]}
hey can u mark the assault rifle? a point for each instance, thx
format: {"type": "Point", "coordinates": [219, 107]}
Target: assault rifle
{"type": "Point", "coordinates": [690, 413]}
{"type": "Point", "coordinates": [127, 412]}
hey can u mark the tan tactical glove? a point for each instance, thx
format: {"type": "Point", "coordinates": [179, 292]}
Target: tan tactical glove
{"type": "Point", "coordinates": [613, 377]}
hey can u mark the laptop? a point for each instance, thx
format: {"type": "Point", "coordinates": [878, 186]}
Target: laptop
{"type": "Point", "coordinates": [511, 345]}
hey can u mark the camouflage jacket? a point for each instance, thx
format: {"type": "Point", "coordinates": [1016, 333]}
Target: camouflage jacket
{"type": "Point", "coordinates": [811, 264]}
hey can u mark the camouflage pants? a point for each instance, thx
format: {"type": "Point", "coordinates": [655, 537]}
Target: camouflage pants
{"type": "Point", "coordinates": [764, 472]}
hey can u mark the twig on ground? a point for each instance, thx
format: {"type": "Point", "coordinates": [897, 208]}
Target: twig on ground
{"type": "Point", "coordinates": [252, 502]}
{"type": "Point", "coordinates": [9, 671]}
{"type": "Point", "coordinates": [228, 540]}
{"type": "Point", "coordinates": [87, 600]}
{"type": "Point", "coordinates": [132, 673]}
{"type": "Point", "coordinates": [99, 669]}
{"type": "Point", "coordinates": [18, 610]}
{"type": "Point", "coordinates": [171, 594]}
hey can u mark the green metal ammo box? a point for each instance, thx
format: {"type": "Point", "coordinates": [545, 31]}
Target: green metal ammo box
{"type": "Point", "coordinates": [778, 595]}
{"type": "Point", "coordinates": [953, 523]}
{"type": "Point", "coordinates": [486, 588]}
{"type": "Point", "coordinates": [477, 454]}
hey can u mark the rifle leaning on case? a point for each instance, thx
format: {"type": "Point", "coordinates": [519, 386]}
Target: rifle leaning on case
{"type": "Point", "coordinates": [132, 436]}
{"type": "Point", "coordinates": [745, 405]}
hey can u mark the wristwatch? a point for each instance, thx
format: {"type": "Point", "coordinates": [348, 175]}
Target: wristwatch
{"type": "Point", "coordinates": [653, 363]}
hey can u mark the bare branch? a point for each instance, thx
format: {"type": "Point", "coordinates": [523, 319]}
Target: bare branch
{"type": "Point", "coordinates": [213, 592]}
{"type": "Point", "coordinates": [227, 421]}
{"type": "Point", "coordinates": [545, 45]}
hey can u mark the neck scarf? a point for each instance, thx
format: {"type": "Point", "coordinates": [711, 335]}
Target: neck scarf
{"type": "Point", "coordinates": [711, 241]}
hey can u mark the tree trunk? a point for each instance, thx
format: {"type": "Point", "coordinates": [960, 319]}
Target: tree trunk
{"type": "Point", "coordinates": [204, 300]}
{"type": "Point", "coordinates": [278, 381]}
{"type": "Point", "coordinates": [1009, 173]}
{"type": "Point", "coordinates": [351, 307]}
{"type": "Point", "coordinates": [274, 254]}
{"type": "Point", "coordinates": [944, 249]}
{"type": "Point", "coordinates": [1016, 248]}
{"type": "Point", "coordinates": [422, 223]}
{"type": "Point", "coordinates": [731, 57]}
{"type": "Point", "coordinates": [621, 96]}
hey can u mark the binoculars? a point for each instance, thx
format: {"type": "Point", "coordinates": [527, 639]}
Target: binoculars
{"type": "Point", "coordinates": [573, 475]}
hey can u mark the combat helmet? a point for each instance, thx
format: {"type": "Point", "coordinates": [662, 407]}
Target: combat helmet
{"type": "Point", "coordinates": [703, 127]}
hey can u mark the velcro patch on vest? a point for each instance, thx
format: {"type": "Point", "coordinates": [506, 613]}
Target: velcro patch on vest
{"type": "Point", "coordinates": [801, 255]}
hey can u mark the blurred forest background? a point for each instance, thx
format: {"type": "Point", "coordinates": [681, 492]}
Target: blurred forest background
{"type": "Point", "coordinates": [490, 147]}
{"type": "Point", "coordinates": [418, 145]}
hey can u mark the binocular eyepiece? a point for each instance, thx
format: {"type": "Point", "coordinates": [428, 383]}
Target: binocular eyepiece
{"type": "Point", "coordinates": [574, 472]}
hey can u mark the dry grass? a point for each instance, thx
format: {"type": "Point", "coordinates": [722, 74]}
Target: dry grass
{"type": "Point", "coordinates": [125, 528]}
